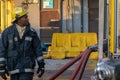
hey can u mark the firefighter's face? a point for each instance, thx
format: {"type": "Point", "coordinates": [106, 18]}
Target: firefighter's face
{"type": "Point", "coordinates": [23, 21]}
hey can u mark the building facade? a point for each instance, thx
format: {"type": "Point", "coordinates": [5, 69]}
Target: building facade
{"type": "Point", "coordinates": [50, 16]}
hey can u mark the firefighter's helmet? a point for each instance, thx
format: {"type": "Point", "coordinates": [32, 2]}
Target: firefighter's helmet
{"type": "Point", "coordinates": [18, 12]}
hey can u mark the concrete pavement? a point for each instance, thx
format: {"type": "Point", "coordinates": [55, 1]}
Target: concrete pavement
{"type": "Point", "coordinates": [54, 65]}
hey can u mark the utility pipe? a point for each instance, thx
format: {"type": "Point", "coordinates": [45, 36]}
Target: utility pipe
{"type": "Point", "coordinates": [9, 11]}
{"type": "Point", "coordinates": [111, 19]}
{"type": "Point", "coordinates": [101, 27]}
{"type": "Point", "coordinates": [117, 24]}
{"type": "Point", "coordinates": [2, 14]}
{"type": "Point", "coordinates": [67, 66]}
{"type": "Point", "coordinates": [5, 13]}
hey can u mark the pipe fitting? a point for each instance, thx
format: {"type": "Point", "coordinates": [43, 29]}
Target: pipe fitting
{"type": "Point", "coordinates": [103, 71]}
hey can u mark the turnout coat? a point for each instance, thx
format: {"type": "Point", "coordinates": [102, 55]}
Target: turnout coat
{"type": "Point", "coordinates": [18, 55]}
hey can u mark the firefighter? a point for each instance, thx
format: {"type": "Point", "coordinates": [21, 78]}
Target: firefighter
{"type": "Point", "coordinates": [20, 48]}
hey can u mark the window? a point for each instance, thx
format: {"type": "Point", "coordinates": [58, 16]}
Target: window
{"type": "Point", "coordinates": [47, 4]}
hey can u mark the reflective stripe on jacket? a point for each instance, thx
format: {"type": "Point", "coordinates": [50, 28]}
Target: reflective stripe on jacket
{"type": "Point", "coordinates": [19, 54]}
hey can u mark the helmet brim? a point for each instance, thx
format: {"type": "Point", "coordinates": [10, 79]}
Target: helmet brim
{"type": "Point", "coordinates": [16, 19]}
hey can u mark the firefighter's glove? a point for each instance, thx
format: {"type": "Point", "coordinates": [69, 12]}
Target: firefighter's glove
{"type": "Point", "coordinates": [41, 66]}
{"type": "Point", "coordinates": [3, 72]}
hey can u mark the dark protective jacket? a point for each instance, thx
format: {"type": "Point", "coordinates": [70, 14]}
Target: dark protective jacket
{"type": "Point", "coordinates": [18, 55]}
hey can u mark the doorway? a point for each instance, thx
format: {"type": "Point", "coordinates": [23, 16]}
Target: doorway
{"type": "Point", "coordinates": [49, 19]}
{"type": "Point", "coordinates": [93, 6]}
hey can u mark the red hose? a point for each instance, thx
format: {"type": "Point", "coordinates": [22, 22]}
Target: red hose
{"type": "Point", "coordinates": [66, 66]}
{"type": "Point", "coordinates": [81, 63]}
{"type": "Point", "coordinates": [77, 69]}
{"type": "Point", "coordinates": [84, 63]}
